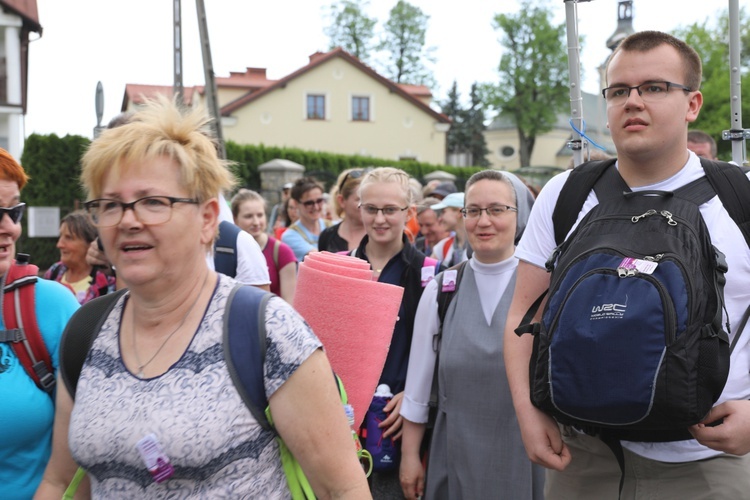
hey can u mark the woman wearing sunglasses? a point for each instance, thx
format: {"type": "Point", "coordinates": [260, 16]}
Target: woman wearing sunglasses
{"type": "Point", "coordinates": [347, 234]}
{"type": "Point", "coordinates": [26, 411]}
{"type": "Point", "coordinates": [302, 236]}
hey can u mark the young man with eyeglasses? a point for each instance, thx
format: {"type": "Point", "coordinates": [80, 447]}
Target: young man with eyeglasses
{"type": "Point", "coordinates": [651, 97]}
{"type": "Point", "coordinates": [302, 236]}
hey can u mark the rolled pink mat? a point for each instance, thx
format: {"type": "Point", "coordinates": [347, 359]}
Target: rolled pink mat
{"type": "Point", "coordinates": [354, 319]}
{"type": "Point", "coordinates": [340, 259]}
{"type": "Point", "coordinates": [335, 267]}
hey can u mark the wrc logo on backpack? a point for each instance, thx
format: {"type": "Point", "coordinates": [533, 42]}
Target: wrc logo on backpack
{"type": "Point", "coordinates": [608, 311]}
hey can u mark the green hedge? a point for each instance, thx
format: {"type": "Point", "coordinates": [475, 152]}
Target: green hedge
{"type": "Point", "coordinates": [53, 163]}
{"type": "Point", "coordinates": [249, 157]}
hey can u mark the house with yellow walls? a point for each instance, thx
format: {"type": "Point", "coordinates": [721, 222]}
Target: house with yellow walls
{"type": "Point", "coordinates": [335, 104]}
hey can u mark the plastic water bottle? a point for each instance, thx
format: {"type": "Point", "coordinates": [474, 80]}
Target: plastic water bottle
{"type": "Point", "coordinates": [385, 453]}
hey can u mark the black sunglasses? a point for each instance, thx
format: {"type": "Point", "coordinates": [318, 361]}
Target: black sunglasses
{"type": "Point", "coordinates": [354, 174]}
{"type": "Point", "coordinates": [15, 213]}
{"type": "Point", "coordinates": [311, 203]}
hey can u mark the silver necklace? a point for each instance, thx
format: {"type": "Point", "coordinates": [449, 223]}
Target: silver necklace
{"type": "Point", "coordinates": [140, 373]}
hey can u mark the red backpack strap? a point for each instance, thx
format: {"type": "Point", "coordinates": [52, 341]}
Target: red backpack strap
{"type": "Point", "coordinates": [19, 315]}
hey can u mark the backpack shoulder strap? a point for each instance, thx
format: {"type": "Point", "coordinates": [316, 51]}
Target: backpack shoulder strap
{"type": "Point", "coordinates": [79, 335]}
{"type": "Point", "coordinates": [301, 232]}
{"type": "Point", "coordinates": [276, 246]}
{"type": "Point", "coordinates": [225, 249]}
{"type": "Point", "coordinates": [443, 299]}
{"type": "Point", "coordinates": [574, 193]}
{"type": "Point", "coordinates": [245, 347]}
{"type": "Point", "coordinates": [730, 182]}
{"type": "Point", "coordinates": [22, 329]}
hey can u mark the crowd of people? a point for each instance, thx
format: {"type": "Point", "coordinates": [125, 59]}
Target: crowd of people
{"type": "Point", "coordinates": [153, 411]}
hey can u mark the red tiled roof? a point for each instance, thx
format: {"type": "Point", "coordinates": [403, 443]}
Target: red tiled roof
{"type": "Point", "coordinates": [408, 92]}
{"type": "Point", "coordinates": [251, 80]}
{"type": "Point", "coordinates": [26, 9]}
{"type": "Point", "coordinates": [138, 93]}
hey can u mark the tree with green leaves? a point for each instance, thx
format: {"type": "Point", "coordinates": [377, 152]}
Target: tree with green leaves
{"type": "Point", "coordinates": [710, 40]}
{"type": "Point", "coordinates": [456, 140]}
{"type": "Point", "coordinates": [466, 135]}
{"type": "Point", "coordinates": [404, 41]}
{"type": "Point", "coordinates": [474, 128]}
{"type": "Point", "coordinates": [533, 84]}
{"type": "Point", "coordinates": [351, 29]}
{"type": "Point", "coordinates": [53, 163]}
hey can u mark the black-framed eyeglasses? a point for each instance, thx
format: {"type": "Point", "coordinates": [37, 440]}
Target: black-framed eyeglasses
{"type": "Point", "coordinates": [492, 211]}
{"type": "Point", "coordinates": [311, 203]}
{"type": "Point", "coordinates": [353, 174]}
{"type": "Point", "coordinates": [649, 91]}
{"type": "Point", "coordinates": [150, 210]}
{"type": "Point", "coordinates": [388, 211]}
{"type": "Point", "coordinates": [15, 213]}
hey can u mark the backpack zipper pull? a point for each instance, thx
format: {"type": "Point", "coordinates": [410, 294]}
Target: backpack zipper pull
{"type": "Point", "coordinates": [668, 215]}
{"type": "Point", "coordinates": [648, 213]}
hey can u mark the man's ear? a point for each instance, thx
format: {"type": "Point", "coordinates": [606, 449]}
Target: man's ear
{"type": "Point", "coordinates": [694, 106]}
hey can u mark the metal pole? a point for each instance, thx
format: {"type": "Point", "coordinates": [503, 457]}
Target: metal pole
{"type": "Point", "coordinates": [208, 70]}
{"type": "Point", "coordinates": [577, 143]}
{"type": "Point", "coordinates": [736, 133]}
{"type": "Point", "coordinates": [99, 103]}
{"type": "Point", "coordinates": [178, 89]}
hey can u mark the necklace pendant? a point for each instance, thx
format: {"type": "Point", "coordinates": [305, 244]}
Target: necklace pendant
{"type": "Point", "coordinates": [141, 375]}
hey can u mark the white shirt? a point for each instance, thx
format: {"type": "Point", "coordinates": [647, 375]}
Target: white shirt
{"type": "Point", "coordinates": [538, 242]}
{"type": "Point", "coordinates": [252, 268]}
{"type": "Point", "coordinates": [492, 280]}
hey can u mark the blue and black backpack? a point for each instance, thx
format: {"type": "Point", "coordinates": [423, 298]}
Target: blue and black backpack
{"type": "Point", "coordinates": [631, 343]}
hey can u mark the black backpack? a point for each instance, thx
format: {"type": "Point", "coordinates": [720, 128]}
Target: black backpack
{"type": "Point", "coordinates": [631, 344]}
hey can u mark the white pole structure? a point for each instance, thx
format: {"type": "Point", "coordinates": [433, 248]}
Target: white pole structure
{"type": "Point", "coordinates": [578, 144]}
{"type": "Point", "coordinates": [736, 133]}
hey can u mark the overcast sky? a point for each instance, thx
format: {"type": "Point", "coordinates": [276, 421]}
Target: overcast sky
{"type": "Point", "coordinates": [130, 41]}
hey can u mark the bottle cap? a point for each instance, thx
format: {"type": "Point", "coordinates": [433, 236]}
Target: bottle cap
{"type": "Point", "coordinates": [383, 391]}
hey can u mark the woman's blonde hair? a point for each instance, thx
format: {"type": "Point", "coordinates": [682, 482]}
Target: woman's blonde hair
{"type": "Point", "coordinates": [388, 175]}
{"type": "Point", "coordinates": [346, 185]}
{"type": "Point", "coordinates": [160, 128]}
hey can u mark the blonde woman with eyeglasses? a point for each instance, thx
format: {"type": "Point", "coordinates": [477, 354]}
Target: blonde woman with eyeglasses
{"type": "Point", "coordinates": [476, 449]}
{"type": "Point", "coordinates": [386, 204]}
{"type": "Point", "coordinates": [155, 412]}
